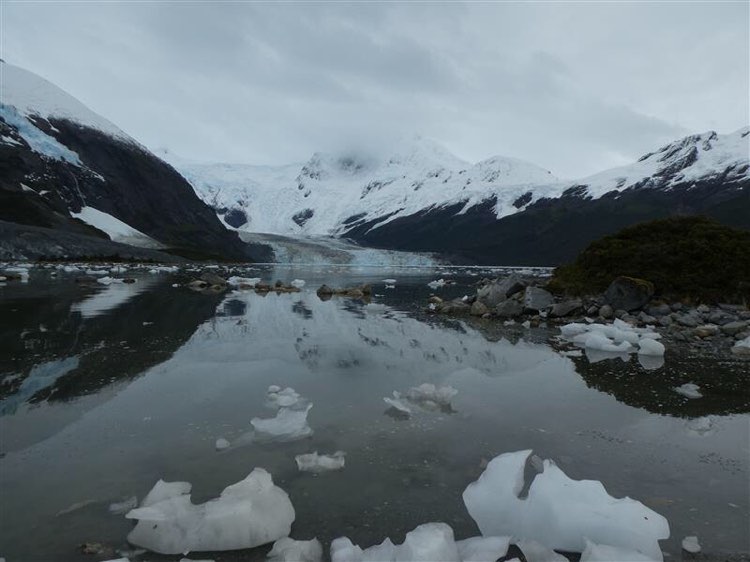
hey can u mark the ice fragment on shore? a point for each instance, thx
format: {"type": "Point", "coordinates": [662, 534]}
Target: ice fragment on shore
{"type": "Point", "coordinates": [559, 512]}
{"type": "Point", "coordinates": [689, 390]}
{"type": "Point", "coordinates": [235, 281]}
{"type": "Point", "coordinates": [436, 284]}
{"type": "Point", "coordinates": [297, 283]}
{"type": "Point", "coordinates": [313, 462]}
{"type": "Point", "coordinates": [249, 513]}
{"type": "Point", "coordinates": [691, 544]}
{"type": "Point", "coordinates": [290, 550]}
{"type": "Point", "coordinates": [648, 346]}
{"type": "Point", "coordinates": [483, 549]}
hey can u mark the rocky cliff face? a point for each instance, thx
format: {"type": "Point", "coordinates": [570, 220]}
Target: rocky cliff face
{"type": "Point", "coordinates": [57, 158]}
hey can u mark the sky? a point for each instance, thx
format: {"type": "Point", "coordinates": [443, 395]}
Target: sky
{"type": "Point", "coordinates": [573, 87]}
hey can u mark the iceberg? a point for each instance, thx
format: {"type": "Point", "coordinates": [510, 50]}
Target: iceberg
{"type": "Point", "coordinates": [287, 425]}
{"type": "Point", "coordinates": [247, 514]}
{"type": "Point", "coordinates": [559, 512]}
{"type": "Point", "coordinates": [290, 550]}
{"type": "Point", "coordinates": [428, 392]}
{"type": "Point", "coordinates": [313, 462]}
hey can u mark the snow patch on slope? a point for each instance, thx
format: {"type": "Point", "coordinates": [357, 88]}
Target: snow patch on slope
{"type": "Point", "coordinates": [38, 140]}
{"type": "Point", "coordinates": [33, 95]}
{"type": "Point", "coordinates": [321, 196]}
{"type": "Point", "coordinates": [117, 230]}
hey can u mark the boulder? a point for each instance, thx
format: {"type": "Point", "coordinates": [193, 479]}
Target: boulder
{"type": "Point", "coordinates": [509, 309]}
{"type": "Point", "coordinates": [455, 307]}
{"type": "Point", "coordinates": [479, 309]}
{"type": "Point", "coordinates": [733, 328]}
{"type": "Point", "coordinates": [494, 292]}
{"type": "Point", "coordinates": [629, 293]}
{"type": "Point", "coordinates": [324, 290]}
{"type": "Point", "coordinates": [688, 320]}
{"type": "Point", "coordinates": [212, 278]}
{"type": "Point", "coordinates": [706, 331]}
{"type": "Point", "coordinates": [564, 308]}
{"type": "Point", "coordinates": [536, 299]}
{"type": "Point", "coordinates": [434, 299]}
{"type": "Point", "coordinates": [659, 310]}
{"type": "Point", "coordinates": [606, 312]}
{"type": "Point", "coordinates": [646, 318]}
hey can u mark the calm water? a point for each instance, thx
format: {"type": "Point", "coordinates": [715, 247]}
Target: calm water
{"type": "Point", "coordinates": [107, 389]}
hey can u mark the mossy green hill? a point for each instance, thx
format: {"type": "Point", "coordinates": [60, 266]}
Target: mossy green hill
{"type": "Point", "coordinates": [692, 258]}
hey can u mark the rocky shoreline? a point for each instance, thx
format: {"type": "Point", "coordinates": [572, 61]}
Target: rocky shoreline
{"type": "Point", "coordinates": [516, 299]}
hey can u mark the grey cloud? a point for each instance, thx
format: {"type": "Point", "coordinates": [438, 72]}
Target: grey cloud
{"type": "Point", "coordinates": [573, 87]}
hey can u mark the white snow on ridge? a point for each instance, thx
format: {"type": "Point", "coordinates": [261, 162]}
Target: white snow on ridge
{"type": "Point", "coordinates": [696, 157]}
{"type": "Point", "coordinates": [418, 174]}
{"type": "Point", "coordinates": [33, 95]}
{"type": "Point", "coordinates": [117, 230]}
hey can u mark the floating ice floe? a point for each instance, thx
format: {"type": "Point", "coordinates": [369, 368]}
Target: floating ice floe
{"type": "Point", "coordinates": [427, 543]}
{"type": "Point", "coordinates": [221, 444]}
{"type": "Point", "coordinates": [691, 545]}
{"type": "Point", "coordinates": [558, 512]}
{"type": "Point", "coordinates": [689, 390]}
{"type": "Point", "coordinates": [297, 283]}
{"type": "Point", "coordinates": [428, 392]}
{"type": "Point", "coordinates": [290, 550]}
{"type": "Point", "coordinates": [313, 462]}
{"type": "Point", "coordinates": [247, 514]}
{"type": "Point", "coordinates": [398, 403]}
{"type": "Point", "coordinates": [606, 553]}
{"type": "Point", "coordinates": [282, 398]}
{"type": "Point", "coordinates": [618, 337]}
{"type": "Point", "coordinates": [390, 286]}
{"type": "Point", "coordinates": [436, 284]}
{"type": "Point", "coordinates": [288, 425]}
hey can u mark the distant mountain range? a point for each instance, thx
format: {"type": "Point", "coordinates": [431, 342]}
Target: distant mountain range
{"type": "Point", "coordinates": [420, 197]}
{"type": "Point", "coordinates": [73, 184]}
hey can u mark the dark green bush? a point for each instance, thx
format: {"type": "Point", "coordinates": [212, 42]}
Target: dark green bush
{"type": "Point", "coordinates": [691, 258]}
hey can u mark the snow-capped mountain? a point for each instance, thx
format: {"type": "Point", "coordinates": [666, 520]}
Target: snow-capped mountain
{"type": "Point", "coordinates": [72, 177]}
{"type": "Point", "coordinates": [332, 193]}
{"type": "Point", "coordinates": [420, 197]}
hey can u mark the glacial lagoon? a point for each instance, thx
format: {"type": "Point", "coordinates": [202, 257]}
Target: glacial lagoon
{"type": "Point", "coordinates": [106, 389]}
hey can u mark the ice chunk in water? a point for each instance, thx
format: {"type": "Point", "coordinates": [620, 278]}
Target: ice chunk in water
{"type": "Point", "coordinates": [249, 513]}
{"type": "Point", "coordinates": [483, 549]}
{"type": "Point", "coordinates": [605, 553]}
{"type": "Point", "coordinates": [398, 403]}
{"type": "Point", "coordinates": [313, 462]}
{"type": "Point", "coordinates": [559, 512]}
{"type": "Point", "coordinates": [298, 283]}
{"type": "Point", "coordinates": [431, 542]}
{"type": "Point", "coordinates": [166, 490]}
{"type": "Point", "coordinates": [691, 545]}
{"type": "Point", "coordinates": [689, 390]}
{"type": "Point", "coordinates": [536, 552]}
{"type": "Point", "coordinates": [287, 425]}
{"type": "Point", "coordinates": [600, 342]}
{"type": "Point", "coordinates": [285, 398]}
{"type": "Point", "coordinates": [235, 281]}
{"type": "Point", "coordinates": [429, 392]}
{"type": "Point", "coordinates": [290, 550]}
{"type": "Point", "coordinates": [436, 284]}
{"type": "Point", "coordinates": [221, 444]}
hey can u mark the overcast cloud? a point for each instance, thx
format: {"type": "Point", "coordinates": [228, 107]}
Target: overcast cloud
{"type": "Point", "coordinates": [573, 87]}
